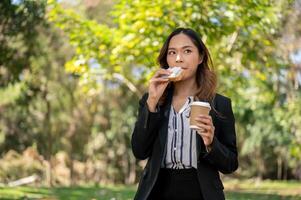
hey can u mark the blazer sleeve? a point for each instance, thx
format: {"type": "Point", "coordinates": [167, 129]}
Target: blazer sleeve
{"type": "Point", "coordinates": [145, 130]}
{"type": "Point", "coordinates": [223, 154]}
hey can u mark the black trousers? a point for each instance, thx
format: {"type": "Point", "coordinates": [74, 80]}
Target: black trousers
{"type": "Point", "coordinates": [176, 184]}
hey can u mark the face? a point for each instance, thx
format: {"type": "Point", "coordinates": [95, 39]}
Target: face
{"type": "Point", "coordinates": [183, 53]}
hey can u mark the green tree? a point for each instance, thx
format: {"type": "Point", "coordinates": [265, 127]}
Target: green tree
{"type": "Point", "coordinates": [243, 39]}
{"type": "Point", "coordinates": [19, 24]}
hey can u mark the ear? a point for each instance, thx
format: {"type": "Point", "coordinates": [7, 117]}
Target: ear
{"type": "Point", "coordinates": [201, 59]}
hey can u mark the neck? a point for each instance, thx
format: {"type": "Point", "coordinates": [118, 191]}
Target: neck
{"type": "Point", "coordinates": [185, 88]}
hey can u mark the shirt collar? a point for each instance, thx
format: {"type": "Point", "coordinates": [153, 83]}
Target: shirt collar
{"type": "Point", "coordinates": [186, 105]}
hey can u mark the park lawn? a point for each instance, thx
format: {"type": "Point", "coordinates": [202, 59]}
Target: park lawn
{"type": "Point", "coordinates": [262, 190]}
{"type": "Point", "coordinates": [234, 189]}
{"type": "Point", "coordinates": [69, 193]}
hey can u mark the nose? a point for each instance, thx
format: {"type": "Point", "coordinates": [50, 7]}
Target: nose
{"type": "Point", "coordinates": [179, 58]}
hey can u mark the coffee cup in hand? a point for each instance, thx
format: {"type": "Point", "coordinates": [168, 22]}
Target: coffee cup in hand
{"type": "Point", "coordinates": [198, 108]}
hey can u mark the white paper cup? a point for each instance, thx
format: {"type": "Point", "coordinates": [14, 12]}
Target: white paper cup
{"type": "Point", "coordinates": [197, 108]}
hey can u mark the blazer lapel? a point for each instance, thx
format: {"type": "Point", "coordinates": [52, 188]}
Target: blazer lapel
{"type": "Point", "coordinates": [166, 110]}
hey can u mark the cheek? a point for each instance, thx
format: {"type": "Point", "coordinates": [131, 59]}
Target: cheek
{"type": "Point", "coordinates": [194, 62]}
{"type": "Point", "coordinates": [195, 65]}
{"type": "Point", "coordinates": [190, 72]}
{"type": "Point", "coordinates": [169, 61]}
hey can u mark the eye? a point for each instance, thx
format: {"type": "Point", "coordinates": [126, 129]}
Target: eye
{"type": "Point", "coordinates": [187, 51]}
{"type": "Point", "coordinates": [171, 52]}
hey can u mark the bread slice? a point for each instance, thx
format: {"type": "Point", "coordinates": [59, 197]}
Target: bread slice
{"type": "Point", "coordinates": [176, 74]}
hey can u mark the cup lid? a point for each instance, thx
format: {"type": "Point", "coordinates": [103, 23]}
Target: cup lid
{"type": "Point", "coordinates": [201, 103]}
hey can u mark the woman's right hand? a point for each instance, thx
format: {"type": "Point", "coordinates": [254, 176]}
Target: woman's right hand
{"type": "Point", "coordinates": [156, 88]}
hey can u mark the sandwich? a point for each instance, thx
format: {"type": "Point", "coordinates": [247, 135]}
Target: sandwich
{"type": "Point", "coordinates": [176, 74]}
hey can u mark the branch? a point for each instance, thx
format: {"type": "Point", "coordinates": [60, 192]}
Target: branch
{"type": "Point", "coordinates": [232, 40]}
{"type": "Point", "coordinates": [128, 83]}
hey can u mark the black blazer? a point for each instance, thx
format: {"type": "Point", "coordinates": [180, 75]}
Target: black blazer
{"type": "Point", "coordinates": [150, 136]}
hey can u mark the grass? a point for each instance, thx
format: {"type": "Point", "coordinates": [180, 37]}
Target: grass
{"type": "Point", "coordinates": [262, 190]}
{"type": "Point", "coordinates": [234, 189]}
{"type": "Point", "coordinates": [70, 193]}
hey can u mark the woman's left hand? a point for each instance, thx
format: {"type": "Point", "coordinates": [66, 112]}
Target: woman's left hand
{"type": "Point", "coordinates": [206, 129]}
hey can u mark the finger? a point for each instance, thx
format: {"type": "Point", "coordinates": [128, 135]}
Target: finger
{"type": "Point", "coordinates": [203, 120]}
{"type": "Point", "coordinates": [156, 80]}
{"type": "Point", "coordinates": [162, 72]}
{"type": "Point", "coordinates": [205, 117]}
{"type": "Point", "coordinates": [204, 134]}
{"type": "Point", "coordinates": [205, 127]}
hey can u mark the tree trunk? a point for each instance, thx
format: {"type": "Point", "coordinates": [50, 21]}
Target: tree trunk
{"type": "Point", "coordinates": [48, 173]}
{"type": "Point", "coordinates": [279, 168]}
{"type": "Point", "coordinates": [72, 181]}
{"type": "Point", "coordinates": [285, 168]}
{"type": "Point", "coordinates": [132, 172]}
{"type": "Point", "coordinates": [47, 129]}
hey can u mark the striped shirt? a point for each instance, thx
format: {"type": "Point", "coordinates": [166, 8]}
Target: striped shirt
{"type": "Point", "coordinates": [180, 149]}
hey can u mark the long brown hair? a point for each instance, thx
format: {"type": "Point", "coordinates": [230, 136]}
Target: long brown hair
{"type": "Point", "coordinates": [206, 79]}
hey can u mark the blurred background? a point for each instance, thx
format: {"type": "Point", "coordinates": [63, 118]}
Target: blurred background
{"type": "Point", "coordinates": [72, 72]}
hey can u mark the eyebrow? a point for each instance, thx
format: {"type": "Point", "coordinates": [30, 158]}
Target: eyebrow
{"type": "Point", "coordinates": [184, 47]}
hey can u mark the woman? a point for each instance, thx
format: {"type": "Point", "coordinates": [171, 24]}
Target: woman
{"type": "Point", "coordinates": [184, 163]}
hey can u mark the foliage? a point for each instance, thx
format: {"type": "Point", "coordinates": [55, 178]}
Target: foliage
{"type": "Point", "coordinates": [242, 38]}
{"type": "Point", "coordinates": [18, 41]}
{"type": "Point", "coordinates": [82, 99]}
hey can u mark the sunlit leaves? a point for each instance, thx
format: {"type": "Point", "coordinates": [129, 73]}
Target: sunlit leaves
{"type": "Point", "coordinates": [242, 37]}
